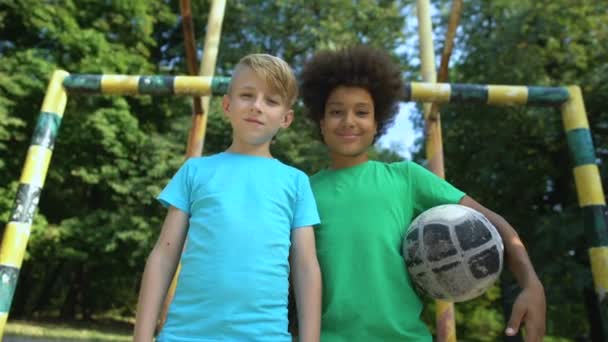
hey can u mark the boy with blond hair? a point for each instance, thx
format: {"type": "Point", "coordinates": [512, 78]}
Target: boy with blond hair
{"type": "Point", "coordinates": [246, 217]}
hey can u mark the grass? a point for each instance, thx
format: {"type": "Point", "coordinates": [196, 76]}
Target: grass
{"type": "Point", "coordinates": [61, 331]}
{"type": "Point", "coordinates": [95, 331]}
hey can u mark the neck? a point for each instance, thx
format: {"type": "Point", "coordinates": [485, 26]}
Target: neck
{"type": "Point", "coordinates": [339, 161]}
{"type": "Point", "coordinates": [262, 150]}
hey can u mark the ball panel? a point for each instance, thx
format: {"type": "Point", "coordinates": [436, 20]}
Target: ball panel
{"type": "Point", "coordinates": [451, 278]}
{"type": "Point", "coordinates": [412, 258]}
{"type": "Point", "coordinates": [446, 213]}
{"type": "Point", "coordinates": [472, 233]}
{"type": "Point", "coordinates": [438, 242]}
{"type": "Point", "coordinates": [424, 283]}
{"type": "Point", "coordinates": [485, 264]}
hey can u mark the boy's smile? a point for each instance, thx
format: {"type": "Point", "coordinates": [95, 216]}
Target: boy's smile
{"type": "Point", "coordinates": [348, 136]}
{"type": "Point", "coordinates": [256, 112]}
{"type": "Point", "coordinates": [254, 121]}
{"type": "Point", "coordinates": [348, 125]}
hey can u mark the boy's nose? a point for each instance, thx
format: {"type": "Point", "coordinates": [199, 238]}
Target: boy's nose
{"type": "Point", "coordinates": [349, 119]}
{"type": "Point", "coordinates": [258, 103]}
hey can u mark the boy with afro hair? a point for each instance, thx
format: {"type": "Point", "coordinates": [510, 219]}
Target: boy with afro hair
{"type": "Point", "coordinates": [365, 207]}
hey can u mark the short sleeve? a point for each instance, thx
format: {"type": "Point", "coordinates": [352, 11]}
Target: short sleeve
{"type": "Point", "coordinates": [429, 190]}
{"type": "Point", "coordinates": [305, 211]}
{"type": "Point", "coordinates": [177, 192]}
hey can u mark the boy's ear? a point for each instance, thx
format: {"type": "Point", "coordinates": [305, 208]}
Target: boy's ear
{"type": "Point", "coordinates": [226, 104]}
{"type": "Point", "coordinates": [287, 119]}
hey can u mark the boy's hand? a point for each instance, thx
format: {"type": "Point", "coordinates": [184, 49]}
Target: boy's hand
{"type": "Point", "coordinates": [529, 307]}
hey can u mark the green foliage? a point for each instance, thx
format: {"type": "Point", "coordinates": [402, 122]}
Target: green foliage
{"type": "Point", "coordinates": [98, 218]}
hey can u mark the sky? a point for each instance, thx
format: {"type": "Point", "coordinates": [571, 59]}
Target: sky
{"type": "Point", "coordinates": [401, 136]}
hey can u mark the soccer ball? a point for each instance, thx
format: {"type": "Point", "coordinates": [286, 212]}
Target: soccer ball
{"type": "Point", "coordinates": [453, 253]}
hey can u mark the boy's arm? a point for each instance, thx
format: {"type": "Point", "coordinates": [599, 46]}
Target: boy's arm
{"type": "Point", "coordinates": [530, 306]}
{"type": "Point", "coordinates": [307, 283]}
{"type": "Point", "coordinates": [160, 267]}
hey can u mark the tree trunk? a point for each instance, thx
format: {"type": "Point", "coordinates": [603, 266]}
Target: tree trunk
{"type": "Point", "coordinates": [68, 309]}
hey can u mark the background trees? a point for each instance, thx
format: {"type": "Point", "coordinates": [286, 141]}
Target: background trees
{"type": "Point", "coordinates": [98, 218]}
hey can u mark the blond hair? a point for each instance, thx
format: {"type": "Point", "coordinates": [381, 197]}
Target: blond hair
{"type": "Point", "coordinates": [275, 72]}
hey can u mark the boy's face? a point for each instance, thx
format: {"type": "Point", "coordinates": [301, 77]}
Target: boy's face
{"type": "Point", "coordinates": [348, 125]}
{"type": "Point", "coordinates": [256, 112]}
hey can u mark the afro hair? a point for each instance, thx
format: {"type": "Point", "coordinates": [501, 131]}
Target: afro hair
{"type": "Point", "coordinates": [357, 66]}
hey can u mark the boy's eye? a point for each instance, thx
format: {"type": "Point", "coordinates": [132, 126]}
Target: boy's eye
{"type": "Point", "coordinates": [272, 101]}
{"type": "Point", "coordinates": [362, 113]}
{"type": "Point", "coordinates": [246, 95]}
{"type": "Point", "coordinates": [334, 112]}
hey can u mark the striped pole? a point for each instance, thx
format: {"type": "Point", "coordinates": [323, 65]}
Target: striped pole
{"type": "Point", "coordinates": [159, 85]}
{"type": "Point", "coordinates": [590, 196]}
{"type": "Point", "coordinates": [198, 128]}
{"type": "Point", "coordinates": [444, 315]}
{"type": "Point", "coordinates": [485, 94]}
{"type": "Point", "coordinates": [17, 230]}
{"type": "Point", "coordinates": [145, 85]}
{"type": "Point", "coordinates": [196, 139]}
{"type": "Point", "coordinates": [434, 143]}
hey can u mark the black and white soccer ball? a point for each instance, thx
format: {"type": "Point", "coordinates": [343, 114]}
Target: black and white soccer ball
{"type": "Point", "coordinates": [453, 253]}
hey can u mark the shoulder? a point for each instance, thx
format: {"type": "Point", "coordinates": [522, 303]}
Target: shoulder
{"type": "Point", "coordinates": [290, 171]}
{"type": "Point", "coordinates": [194, 167]}
{"type": "Point", "coordinates": [399, 169]}
{"type": "Point", "coordinates": [317, 176]}
{"type": "Point", "coordinates": [416, 174]}
{"type": "Point", "coordinates": [321, 178]}
{"type": "Point", "coordinates": [204, 161]}
{"type": "Point", "coordinates": [212, 158]}
{"type": "Point", "coordinates": [402, 172]}
{"type": "Point", "coordinates": [401, 165]}
{"type": "Point", "coordinates": [407, 168]}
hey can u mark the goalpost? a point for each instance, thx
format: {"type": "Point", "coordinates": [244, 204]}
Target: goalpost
{"type": "Point", "coordinates": [569, 99]}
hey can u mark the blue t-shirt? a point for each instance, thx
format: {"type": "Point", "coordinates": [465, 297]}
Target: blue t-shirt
{"type": "Point", "coordinates": [233, 283]}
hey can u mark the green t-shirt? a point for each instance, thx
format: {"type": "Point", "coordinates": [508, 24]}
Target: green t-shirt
{"type": "Point", "coordinates": [365, 211]}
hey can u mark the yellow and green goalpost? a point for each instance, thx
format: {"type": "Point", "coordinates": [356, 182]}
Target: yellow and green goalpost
{"type": "Point", "coordinates": [569, 99]}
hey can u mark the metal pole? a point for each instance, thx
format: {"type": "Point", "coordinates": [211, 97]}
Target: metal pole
{"type": "Point", "coordinates": [196, 137]}
{"type": "Point", "coordinates": [31, 182]}
{"type": "Point", "coordinates": [444, 318]}
{"type": "Point", "coordinates": [590, 198]}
